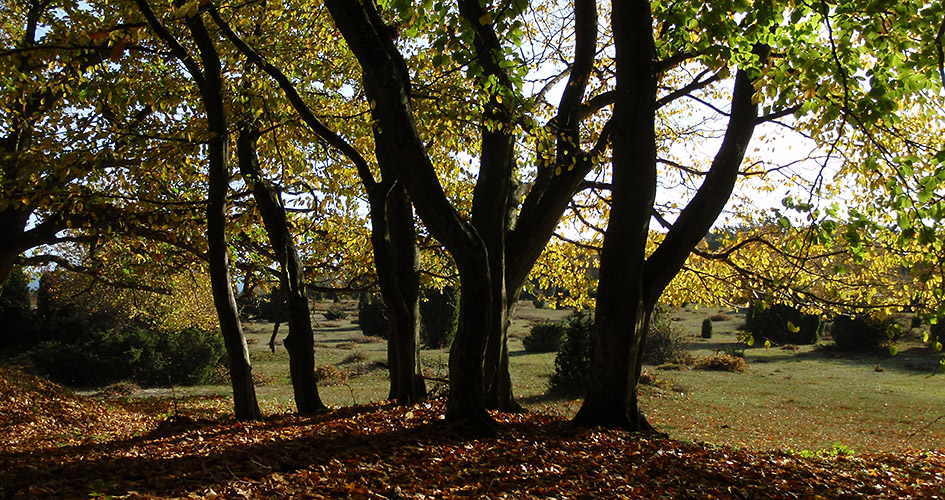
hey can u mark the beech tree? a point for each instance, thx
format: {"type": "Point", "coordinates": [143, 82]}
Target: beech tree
{"type": "Point", "coordinates": [207, 74]}
{"type": "Point", "coordinates": [778, 58]}
{"type": "Point", "coordinates": [393, 237]}
{"type": "Point", "coordinates": [44, 149]}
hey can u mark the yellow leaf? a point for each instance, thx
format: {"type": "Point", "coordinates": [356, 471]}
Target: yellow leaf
{"type": "Point", "coordinates": [792, 328]}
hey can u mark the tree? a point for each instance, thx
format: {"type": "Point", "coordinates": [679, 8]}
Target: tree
{"type": "Point", "coordinates": [496, 246]}
{"type": "Point", "coordinates": [393, 236]}
{"type": "Point", "coordinates": [46, 63]}
{"type": "Point", "coordinates": [300, 342]}
{"type": "Point", "coordinates": [661, 53]}
{"type": "Point", "coordinates": [207, 74]}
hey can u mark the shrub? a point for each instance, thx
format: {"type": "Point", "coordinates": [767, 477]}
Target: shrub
{"type": "Point", "coordinates": [782, 324]}
{"type": "Point", "coordinates": [16, 314]}
{"type": "Point", "coordinates": [861, 333]}
{"type": "Point", "coordinates": [373, 316]}
{"type": "Point", "coordinates": [334, 314]}
{"type": "Point", "coordinates": [439, 317]}
{"type": "Point", "coordinates": [332, 375]}
{"type": "Point", "coordinates": [573, 361]}
{"type": "Point", "coordinates": [103, 356]}
{"type": "Point", "coordinates": [664, 342]}
{"type": "Point", "coordinates": [723, 362]}
{"type": "Point", "coordinates": [354, 357]}
{"type": "Point", "coordinates": [265, 307]}
{"type": "Point", "coordinates": [707, 328]}
{"type": "Point", "coordinates": [544, 337]}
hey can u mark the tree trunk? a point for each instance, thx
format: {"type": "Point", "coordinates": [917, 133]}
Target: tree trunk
{"type": "Point", "coordinates": [387, 85]}
{"type": "Point", "coordinates": [467, 399]}
{"type": "Point", "coordinates": [218, 155]}
{"type": "Point", "coordinates": [622, 314]}
{"type": "Point", "coordinates": [300, 342]}
{"type": "Point", "coordinates": [397, 261]}
{"type": "Point", "coordinates": [630, 284]}
{"type": "Point", "coordinates": [393, 232]}
{"type": "Point", "coordinates": [244, 393]}
{"type": "Point", "coordinates": [499, 394]}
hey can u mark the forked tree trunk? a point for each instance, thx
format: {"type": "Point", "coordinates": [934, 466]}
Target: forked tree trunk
{"type": "Point", "coordinates": [300, 342]}
{"type": "Point", "coordinates": [630, 283]}
{"type": "Point", "coordinates": [622, 314]}
{"type": "Point", "coordinates": [387, 84]}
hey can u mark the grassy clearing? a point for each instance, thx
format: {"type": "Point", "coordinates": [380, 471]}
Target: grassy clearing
{"type": "Point", "coordinates": [811, 398]}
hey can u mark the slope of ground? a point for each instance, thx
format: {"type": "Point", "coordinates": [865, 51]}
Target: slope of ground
{"type": "Point", "coordinates": [382, 451]}
{"type": "Point", "coordinates": [35, 413]}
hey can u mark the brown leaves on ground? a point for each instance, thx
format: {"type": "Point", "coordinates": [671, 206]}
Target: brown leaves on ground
{"type": "Point", "coordinates": [384, 451]}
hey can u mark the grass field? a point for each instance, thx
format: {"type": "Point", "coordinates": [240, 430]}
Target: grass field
{"type": "Point", "coordinates": [811, 399]}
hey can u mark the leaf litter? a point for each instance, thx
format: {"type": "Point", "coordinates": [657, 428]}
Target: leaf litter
{"type": "Point", "coordinates": [57, 444]}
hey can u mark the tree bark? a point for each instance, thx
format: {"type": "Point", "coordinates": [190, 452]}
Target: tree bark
{"type": "Point", "coordinates": [300, 342]}
{"type": "Point", "coordinates": [397, 261]}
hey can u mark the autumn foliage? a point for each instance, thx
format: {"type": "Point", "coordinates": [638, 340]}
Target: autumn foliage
{"type": "Point", "coordinates": [60, 445]}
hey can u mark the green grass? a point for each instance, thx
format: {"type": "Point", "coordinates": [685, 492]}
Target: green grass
{"type": "Point", "coordinates": [808, 400]}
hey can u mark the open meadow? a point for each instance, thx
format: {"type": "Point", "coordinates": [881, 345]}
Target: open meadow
{"type": "Point", "coordinates": [811, 398]}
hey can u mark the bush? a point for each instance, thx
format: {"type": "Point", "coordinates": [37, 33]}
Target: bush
{"type": "Point", "coordinates": [707, 328]}
{"type": "Point", "coordinates": [664, 342]}
{"type": "Point", "coordinates": [331, 375]}
{"type": "Point", "coordinates": [265, 307]}
{"type": "Point", "coordinates": [104, 356]}
{"type": "Point", "coordinates": [439, 317]}
{"type": "Point", "coordinates": [16, 313]}
{"type": "Point", "coordinates": [334, 314]}
{"type": "Point", "coordinates": [782, 324]}
{"type": "Point", "coordinates": [544, 337]}
{"type": "Point", "coordinates": [573, 361]}
{"type": "Point", "coordinates": [724, 363]}
{"type": "Point", "coordinates": [861, 333]}
{"type": "Point", "coordinates": [373, 316]}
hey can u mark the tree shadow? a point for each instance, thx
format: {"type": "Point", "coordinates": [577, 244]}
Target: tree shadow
{"type": "Point", "coordinates": [913, 360]}
{"type": "Point", "coordinates": [208, 455]}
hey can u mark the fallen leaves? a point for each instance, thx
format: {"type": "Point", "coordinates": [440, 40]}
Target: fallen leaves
{"type": "Point", "coordinates": [384, 451]}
